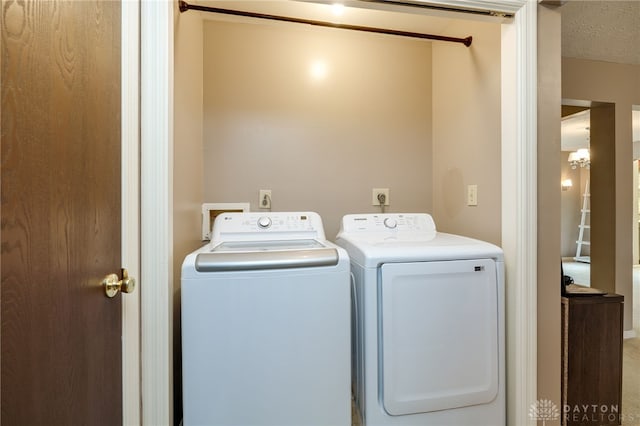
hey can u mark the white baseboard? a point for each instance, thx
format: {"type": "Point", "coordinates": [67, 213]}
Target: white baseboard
{"type": "Point", "coordinates": [629, 334]}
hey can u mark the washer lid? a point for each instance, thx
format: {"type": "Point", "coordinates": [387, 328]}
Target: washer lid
{"type": "Point", "coordinates": [268, 245]}
{"type": "Point", "coordinates": [243, 261]}
{"type": "Point", "coordinates": [258, 255]}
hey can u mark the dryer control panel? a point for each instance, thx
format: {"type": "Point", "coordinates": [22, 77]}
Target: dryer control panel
{"type": "Point", "coordinates": [389, 222]}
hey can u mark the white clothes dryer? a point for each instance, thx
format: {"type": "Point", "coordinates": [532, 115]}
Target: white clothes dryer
{"type": "Point", "coordinates": [266, 324]}
{"type": "Point", "coordinates": [428, 344]}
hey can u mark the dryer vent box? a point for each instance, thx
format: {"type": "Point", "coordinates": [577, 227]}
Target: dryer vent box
{"type": "Point", "coordinates": [211, 210]}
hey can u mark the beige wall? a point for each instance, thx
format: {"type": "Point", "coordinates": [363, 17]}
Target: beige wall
{"type": "Point", "coordinates": [619, 84]}
{"type": "Point", "coordinates": [467, 132]}
{"type": "Point", "coordinates": [603, 198]}
{"type": "Point", "coordinates": [549, 201]}
{"type": "Point", "coordinates": [187, 162]}
{"type": "Point", "coordinates": [187, 156]}
{"type": "Point", "coordinates": [319, 145]}
{"type": "Point", "coordinates": [323, 145]}
{"type": "Point", "coordinates": [635, 222]}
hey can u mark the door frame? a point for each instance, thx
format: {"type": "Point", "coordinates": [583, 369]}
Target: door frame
{"type": "Point", "coordinates": [130, 163]}
{"type": "Point", "coordinates": [519, 203]}
{"type": "Point", "coordinates": [156, 209]}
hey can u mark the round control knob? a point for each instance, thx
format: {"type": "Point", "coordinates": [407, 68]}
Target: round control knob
{"type": "Point", "coordinates": [264, 222]}
{"type": "Point", "coordinates": [390, 223]}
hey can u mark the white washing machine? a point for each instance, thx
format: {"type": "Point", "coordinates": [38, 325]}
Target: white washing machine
{"type": "Point", "coordinates": [266, 320]}
{"type": "Point", "coordinates": [428, 323]}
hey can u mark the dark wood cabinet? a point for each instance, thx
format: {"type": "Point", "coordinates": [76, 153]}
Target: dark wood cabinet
{"type": "Point", "coordinates": [592, 359]}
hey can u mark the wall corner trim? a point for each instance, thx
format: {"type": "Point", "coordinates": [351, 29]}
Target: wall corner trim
{"type": "Point", "coordinates": [156, 223]}
{"type": "Point", "coordinates": [519, 209]}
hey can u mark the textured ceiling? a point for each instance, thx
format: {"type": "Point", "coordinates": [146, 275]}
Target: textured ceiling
{"type": "Point", "coordinates": [605, 30]}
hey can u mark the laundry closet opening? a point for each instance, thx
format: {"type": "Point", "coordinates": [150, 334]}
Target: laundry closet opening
{"type": "Point", "coordinates": [321, 116]}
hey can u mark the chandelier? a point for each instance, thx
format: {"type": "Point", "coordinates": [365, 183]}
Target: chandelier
{"type": "Point", "coordinates": [580, 158]}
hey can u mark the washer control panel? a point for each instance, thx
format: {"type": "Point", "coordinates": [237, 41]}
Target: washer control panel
{"type": "Point", "coordinates": [274, 225]}
{"type": "Point", "coordinates": [389, 222]}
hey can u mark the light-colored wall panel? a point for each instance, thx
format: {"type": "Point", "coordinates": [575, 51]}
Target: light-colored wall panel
{"type": "Point", "coordinates": [570, 207]}
{"type": "Point", "coordinates": [188, 116]}
{"type": "Point", "coordinates": [603, 200]}
{"type": "Point", "coordinates": [549, 205]}
{"type": "Point", "coordinates": [319, 144]}
{"type": "Point", "coordinates": [466, 133]}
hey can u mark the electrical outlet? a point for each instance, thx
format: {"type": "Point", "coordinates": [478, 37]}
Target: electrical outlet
{"type": "Point", "coordinates": [472, 195]}
{"type": "Point", "coordinates": [379, 191]}
{"type": "Point", "coordinates": [265, 199]}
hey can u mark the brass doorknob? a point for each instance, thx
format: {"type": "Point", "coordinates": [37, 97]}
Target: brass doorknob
{"type": "Point", "coordinates": [112, 284]}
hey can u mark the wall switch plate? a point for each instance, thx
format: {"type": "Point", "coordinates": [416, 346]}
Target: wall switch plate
{"type": "Point", "coordinates": [265, 199]}
{"type": "Point", "coordinates": [472, 195]}
{"type": "Point", "coordinates": [374, 196]}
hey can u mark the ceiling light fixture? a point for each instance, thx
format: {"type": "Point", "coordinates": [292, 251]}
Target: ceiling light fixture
{"type": "Point", "coordinates": [580, 158]}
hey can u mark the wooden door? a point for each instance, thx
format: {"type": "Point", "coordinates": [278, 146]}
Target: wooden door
{"type": "Point", "coordinates": [60, 182]}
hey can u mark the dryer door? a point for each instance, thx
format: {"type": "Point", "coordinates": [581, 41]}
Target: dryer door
{"type": "Point", "coordinates": [438, 335]}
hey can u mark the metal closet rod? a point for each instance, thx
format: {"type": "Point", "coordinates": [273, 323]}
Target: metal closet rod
{"type": "Point", "coordinates": [184, 6]}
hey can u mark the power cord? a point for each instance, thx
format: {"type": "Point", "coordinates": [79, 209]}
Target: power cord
{"type": "Point", "coordinates": [381, 199]}
{"type": "Point", "coordinates": [266, 202]}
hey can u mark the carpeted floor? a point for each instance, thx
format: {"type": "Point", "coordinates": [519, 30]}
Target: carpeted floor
{"type": "Point", "coordinates": [631, 347]}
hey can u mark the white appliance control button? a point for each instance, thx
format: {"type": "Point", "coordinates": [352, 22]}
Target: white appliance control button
{"type": "Point", "coordinates": [264, 222]}
{"type": "Point", "coordinates": [390, 223]}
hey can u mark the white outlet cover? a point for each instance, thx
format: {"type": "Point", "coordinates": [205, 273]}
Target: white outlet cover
{"type": "Point", "coordinates": [263, 193]}
{"type": "Point", "coordinates": [472, 195]}
{"type": "Point", "coordinates": [374, 196]}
